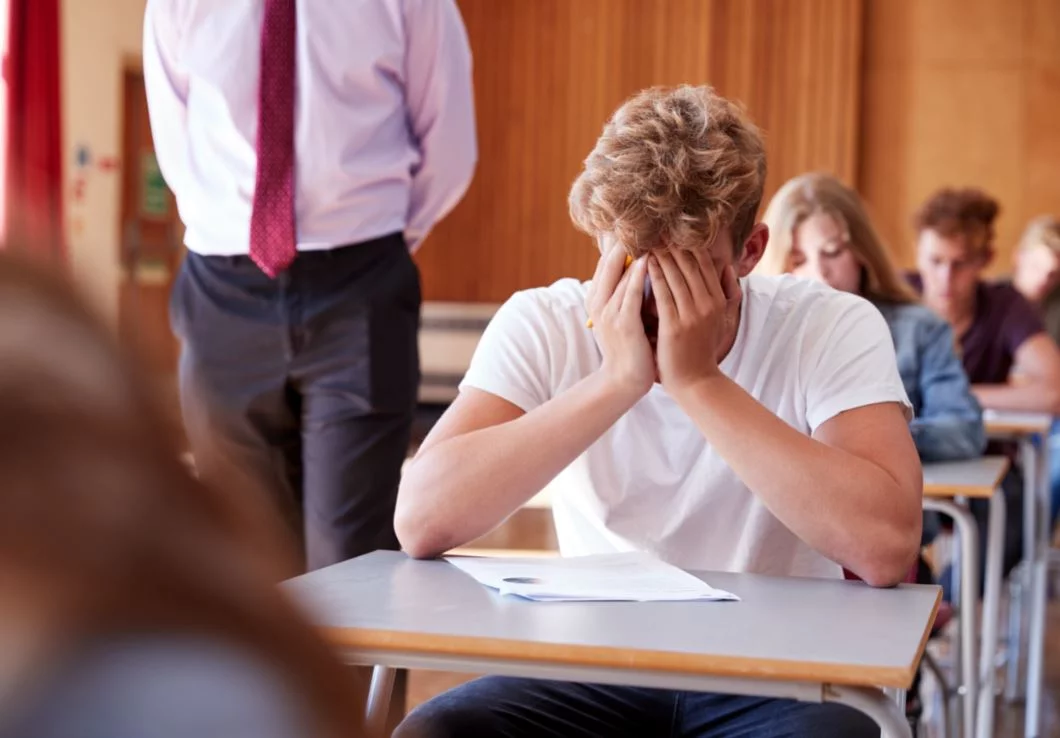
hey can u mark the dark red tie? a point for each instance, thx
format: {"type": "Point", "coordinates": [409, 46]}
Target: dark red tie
{"type": "Point", "coordinates": [273, 244]}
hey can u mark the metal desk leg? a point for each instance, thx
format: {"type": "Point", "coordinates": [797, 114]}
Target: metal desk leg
{"type": "Point", "coordinates": [1039, 583]}
{"type": "Point", "coordinates": [948, 719]}
{"type": "Point", "coordinates": [1014, 640]}
{"type": "Point", "coordinates": [885, 711]}
{"type": "Point", "coordinates": [967, 535]}
{"type": "Point", "coordinates": [995, 548]}
{"type": "Point", "coordinates": [379, 700]}
{"type": "Point", "coordinates": [1017, 655]}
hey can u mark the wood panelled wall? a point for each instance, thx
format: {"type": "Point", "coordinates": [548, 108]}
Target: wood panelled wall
{"type": "Point", "coordinates": [548, 73]}
{"type": "Point", "coordinates": [961, 92]}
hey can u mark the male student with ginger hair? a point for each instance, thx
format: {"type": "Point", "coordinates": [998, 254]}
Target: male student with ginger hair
{"type": "Point", "coordinates": [762, 427]}
{"type": "Point", "coordinates": [1011, 361]}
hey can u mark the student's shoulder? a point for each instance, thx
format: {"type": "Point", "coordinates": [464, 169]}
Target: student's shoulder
{"type": "Point", "coordinates": [561, 302]}
{"type": "Point", "coordinates": [915, 320]}
{"type": "Point", "coordinates": [1004, 296]}
{"type": "Point", "coordinates": [789, 297]}
{"type": "Point", "coordinates": [914, 313]}
{"type": "Point", "coordinates": [1008, 311]}
{"type": "Point", "coordinates": [811, 317]}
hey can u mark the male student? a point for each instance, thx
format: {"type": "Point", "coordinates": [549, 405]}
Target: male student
{"type": "Point", "coordinates": [1011, 361]}
{"type": "Point", "coordinates": [726, 422]}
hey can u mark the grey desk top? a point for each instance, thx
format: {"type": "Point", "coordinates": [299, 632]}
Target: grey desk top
{"type": "Point", "coordinates": [971, 478]}
{"type": "Point", "coordinates": [786, 629]}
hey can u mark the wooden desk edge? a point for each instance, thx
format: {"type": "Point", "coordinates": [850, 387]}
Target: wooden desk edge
{"type": "Point", "coordinates": [561, 654]}
{"type": "Point", "coordinates": [968, 490]}
{"type": "Point", "coordinates": [1002, 428]}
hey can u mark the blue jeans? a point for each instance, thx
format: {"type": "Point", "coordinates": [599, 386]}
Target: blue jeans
{"type": "Point", "coordinates": [502, 707]}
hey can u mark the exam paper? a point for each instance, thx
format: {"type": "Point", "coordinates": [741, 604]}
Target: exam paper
{"type": "Point", "coordinates": [630, 577]}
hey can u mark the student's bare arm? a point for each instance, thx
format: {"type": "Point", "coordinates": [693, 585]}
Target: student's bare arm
{"type": "Point", "coordinates": [852, 491]}
{"type": "Point", "coordinates": [485, 458]}
{"type": "Point", "coordinates": [1034, 385]}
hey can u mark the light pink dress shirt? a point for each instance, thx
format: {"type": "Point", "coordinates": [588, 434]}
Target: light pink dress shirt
{"type": "Point", "coordinates": [384, 120]}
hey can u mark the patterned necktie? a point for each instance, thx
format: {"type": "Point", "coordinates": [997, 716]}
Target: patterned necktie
{"type": "Point", "coordinates": [273, 245]}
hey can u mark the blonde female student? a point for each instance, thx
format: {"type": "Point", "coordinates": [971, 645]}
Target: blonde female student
{"type": "Point", "coordinates": [820, 230]}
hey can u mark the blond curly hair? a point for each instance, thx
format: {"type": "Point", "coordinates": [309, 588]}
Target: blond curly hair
{"type": "Point", "coordinates": [673, 167]}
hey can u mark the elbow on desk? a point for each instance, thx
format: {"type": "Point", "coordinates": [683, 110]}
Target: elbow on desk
{"type": "Point", "coordinates": [884, 576]}
{"type": "Point", "coordinates": [418, 538]}
{"type": "Point", "coordinates": [1051, 399]}
{"type": "Point", "coordinates": [890, 562]}
{"type": "Point", "coordinates": [421, 534]}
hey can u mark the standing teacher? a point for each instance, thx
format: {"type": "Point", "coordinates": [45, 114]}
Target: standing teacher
{"type": "Point", "coordinates": [311, 147]}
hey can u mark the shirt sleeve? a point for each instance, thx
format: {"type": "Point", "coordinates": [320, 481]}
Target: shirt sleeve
{"type": "Point", "coordinates": [513, 357]}
{"type": "Point", "coordinates": [850, 362]}
{"type": "Point", "coordinates": [441, 112]}
{"type": "Point", "coordinates": [950, 423]}
{"type": "Point", "coordinates": [167, 87]}
{"type": "Point", "coordinates": [1021, 322]}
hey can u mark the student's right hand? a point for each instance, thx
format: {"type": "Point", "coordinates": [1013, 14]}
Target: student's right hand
{"type": "Point", "coordinates": [614, 303]}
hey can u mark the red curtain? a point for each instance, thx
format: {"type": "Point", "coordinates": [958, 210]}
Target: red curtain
{"type": "Point", "coordinates": [34, 184]}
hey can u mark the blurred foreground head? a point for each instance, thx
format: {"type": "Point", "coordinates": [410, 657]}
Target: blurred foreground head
{"type": "Point", "coordinates": [106, 536]}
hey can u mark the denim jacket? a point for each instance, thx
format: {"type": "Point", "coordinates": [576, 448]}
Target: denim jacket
{"type": "Point", "coordinates": [948, 422]}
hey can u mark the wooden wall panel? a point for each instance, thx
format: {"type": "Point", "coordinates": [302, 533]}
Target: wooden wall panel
{"type": "Point", "coordinates": [1041, 80]}
{"type": "Point", "coordinates": [549, 72]}
{"type": "Point", "coordinates": [961, 92]}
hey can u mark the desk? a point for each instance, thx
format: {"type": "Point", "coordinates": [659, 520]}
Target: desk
{"type": "Point", "coordinates": [806, 639]}
{"type": "Point", "coordinates": [975, 478]}
{"type": "Point", "coordinates": [1025, 428]}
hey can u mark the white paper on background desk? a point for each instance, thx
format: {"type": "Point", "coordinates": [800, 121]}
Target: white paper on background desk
{"type": "Point", "coordinates": [629, 577]}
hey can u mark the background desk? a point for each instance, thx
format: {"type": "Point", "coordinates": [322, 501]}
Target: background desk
{"type": "Point", "coordinates": [1031, 431]}
{"type": "Point", "coordinates": [974, 479]}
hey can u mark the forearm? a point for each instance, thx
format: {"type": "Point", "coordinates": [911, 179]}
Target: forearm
{"type": "Point", "coordinates": [461, 488]}
{"type": "Point", "coordinates": [166, 91]}
{"type": "Point", "coordinates": [440, 97]}
{"type": "Point", "coordinates": [847, 508]}
{"type": "Point", "coordinates": [1029, 395]}
{"type": "Point", "coordinates": [437, 189]}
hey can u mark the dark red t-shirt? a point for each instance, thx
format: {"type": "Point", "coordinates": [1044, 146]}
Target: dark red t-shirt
{"type": "Point", "coordinates": [1004, 319]}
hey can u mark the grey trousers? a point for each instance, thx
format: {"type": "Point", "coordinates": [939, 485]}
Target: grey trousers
{"type": "Point", "coordinates": [308, 382]}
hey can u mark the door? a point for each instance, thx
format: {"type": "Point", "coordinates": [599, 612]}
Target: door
{"type": "Point", "coordinates": [151, 237]}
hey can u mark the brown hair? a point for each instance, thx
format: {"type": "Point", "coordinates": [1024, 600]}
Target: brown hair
{"type": "Point", "coordinates": [673, 167]}
{"type": "Point", "coordinates": [1042, 231]}
{"type": "Point", "coordinates": [102, 516]}
{"type": "Point", "coordinates": [810, 194]}
{"type": "Point", "coordinates": [965, 212]}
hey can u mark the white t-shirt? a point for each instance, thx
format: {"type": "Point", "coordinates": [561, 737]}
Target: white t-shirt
{"type": "Point", "coordinates": [651, 482]}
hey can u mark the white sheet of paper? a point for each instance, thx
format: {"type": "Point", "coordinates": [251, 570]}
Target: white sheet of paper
{"type": "Point", "coordinates": [631, 577]}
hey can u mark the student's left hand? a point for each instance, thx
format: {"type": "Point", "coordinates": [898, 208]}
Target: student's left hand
{"type": "Point", "coordinates": [698, 313]}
